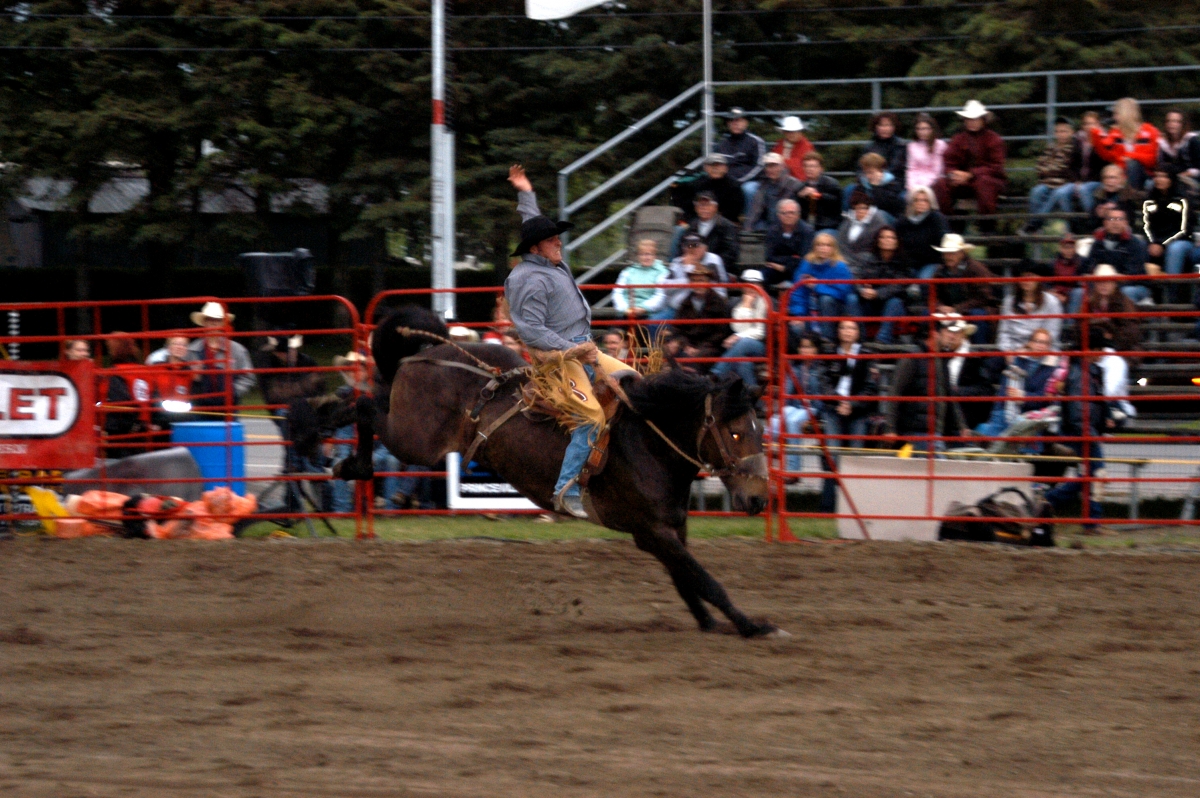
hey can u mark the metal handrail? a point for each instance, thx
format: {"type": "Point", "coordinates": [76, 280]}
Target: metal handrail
{"type": "Point", "coordinates": [983, 76]}
{"type": "Point", "coordinates": [628, 132]}
{"type": "Point", "coordinates": [628, 209]}
{"type": "Point", "coordinates": [636, 166]}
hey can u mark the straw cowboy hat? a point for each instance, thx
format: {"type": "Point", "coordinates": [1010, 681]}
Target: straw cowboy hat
{"type": "Point", "coordinates": [212, 311]}
{"type": "Point", "coordinates": [954, 322]}
{"type": "Point", "coordinates": [350, 359]}
{"type": "Point", "coordinates": [1105, 270]}
{"type": "Point", "coordinates": [791, 124]}
{"type": "Point", "coordinates": [463, 334]}
{"type": "Point", "coordinates": [953, 242]}
{"type": "Point", "coordinates": [973, 110]}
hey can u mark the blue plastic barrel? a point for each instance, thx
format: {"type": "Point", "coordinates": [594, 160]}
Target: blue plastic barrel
{"type": "Point", "coordinates": [216, 462]}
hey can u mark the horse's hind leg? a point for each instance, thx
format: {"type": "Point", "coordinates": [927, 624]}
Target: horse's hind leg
{"type": "Point", "coordinates": [359, 465]}
{"type": "Point", "coordinates": [694, 583]}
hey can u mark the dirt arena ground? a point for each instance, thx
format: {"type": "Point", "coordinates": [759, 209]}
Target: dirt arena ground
{"type": "Point", "coordinates": [473, 668]}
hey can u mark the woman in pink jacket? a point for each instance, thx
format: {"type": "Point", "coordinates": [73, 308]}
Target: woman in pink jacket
{"type": "Point", "coordinates": [925, 153]}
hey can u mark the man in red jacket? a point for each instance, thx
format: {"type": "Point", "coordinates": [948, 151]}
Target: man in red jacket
{"type": "Point", "coordinates": [974, 162]}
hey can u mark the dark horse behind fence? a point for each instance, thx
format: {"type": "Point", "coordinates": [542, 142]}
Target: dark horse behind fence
{"type": "Point", "coordinates": [645, 487]}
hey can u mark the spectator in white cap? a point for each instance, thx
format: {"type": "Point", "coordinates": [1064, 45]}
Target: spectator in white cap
{"type": "Point", "coordinates": [216, 352]}
{"type": "Point", "coordinates": [777, 185]}
{"type": "Point", "coordinates": [974, 163]}
{"type": "Point", "coordinates": [793, 146]}
{"type": "Point", "coordinates": [744, 151]}
{"type": "Point", "coordinates": [749, 338]}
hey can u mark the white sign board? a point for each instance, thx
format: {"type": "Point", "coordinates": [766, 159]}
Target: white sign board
{"type": "Point", "coordinates": [468, 490]}
{"type": "Point", "coordinates": [872, 483]}
{"type": "Point", "coordinates": [34, 405]}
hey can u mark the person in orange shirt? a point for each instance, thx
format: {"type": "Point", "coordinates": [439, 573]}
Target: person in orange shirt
{"type": "Point", "coordinates": [1129, 142]}
{"type": "Point", "coordinates": [793, 146]}
{"type": "Point", "coordinates": [128, 398]}
{"type": "Point", "coordinates": [171, 369]}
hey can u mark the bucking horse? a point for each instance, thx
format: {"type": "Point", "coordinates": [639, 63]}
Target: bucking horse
{"type": "Point", "coordinates": [469, 399]}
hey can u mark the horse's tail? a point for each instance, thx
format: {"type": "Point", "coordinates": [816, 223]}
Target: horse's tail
{"type": "Point", "coordinates": [389, 346]}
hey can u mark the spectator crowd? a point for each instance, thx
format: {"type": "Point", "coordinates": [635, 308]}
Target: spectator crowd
{"type": "Point", "coordinates": [1120, 194]}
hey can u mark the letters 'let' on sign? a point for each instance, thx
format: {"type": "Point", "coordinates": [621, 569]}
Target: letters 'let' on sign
{"type": "Point", "coordinates": [47, 415]}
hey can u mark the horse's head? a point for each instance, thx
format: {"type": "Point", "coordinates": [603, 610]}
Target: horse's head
{"type": "Point", "coordinates": [731, 441]}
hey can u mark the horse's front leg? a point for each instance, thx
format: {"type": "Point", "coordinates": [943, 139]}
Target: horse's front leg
{"type": "Point", "coordinates": [694, 583]}
{"type": "Point", "coordinates": [359, 465]}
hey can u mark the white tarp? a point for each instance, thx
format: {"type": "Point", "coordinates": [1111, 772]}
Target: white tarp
{"type": "Point", "coordinates": [557, 9]}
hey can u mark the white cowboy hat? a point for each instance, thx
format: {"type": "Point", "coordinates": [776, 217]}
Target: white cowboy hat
{"type": "Point", "coordinates": [464, 334]}
{"type": "Point", "coordinates": [953, 242]}
{"type": "Point", "coordinates": [350, 359]}
{"type": "Point", "coordinates": [973, 110]}
{"type": "Point", "coordinates": [1105, 270]}
{"type": "Point", "coordinates": [752, 276]}
{"type": "Point", "coordinates": [791, 124]}
{"type": "Point", "coordinates": [954, 322]}
{"type": "Point", "coordinates": [212, 311]}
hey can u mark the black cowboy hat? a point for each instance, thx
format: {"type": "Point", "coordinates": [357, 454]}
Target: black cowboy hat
{"type": "Point", "coordinates": [537, 230]}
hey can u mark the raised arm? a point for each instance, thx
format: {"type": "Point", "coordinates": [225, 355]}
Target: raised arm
{"type": "Point", "coordinates": [526, 199]}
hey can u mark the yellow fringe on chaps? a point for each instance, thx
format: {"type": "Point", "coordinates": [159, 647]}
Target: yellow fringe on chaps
{"type": "Point", "coordinates": [563, 384]}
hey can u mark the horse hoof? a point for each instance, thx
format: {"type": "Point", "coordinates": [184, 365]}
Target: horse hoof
{"type": "Point", "coordinates": [777, 632]}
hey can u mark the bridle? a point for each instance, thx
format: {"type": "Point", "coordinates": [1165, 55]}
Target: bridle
{"type": "Point", "coordinates": [731, 464]}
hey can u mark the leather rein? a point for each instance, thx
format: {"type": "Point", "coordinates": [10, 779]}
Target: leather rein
{"type": "Point", "coordinates": [731, 465]}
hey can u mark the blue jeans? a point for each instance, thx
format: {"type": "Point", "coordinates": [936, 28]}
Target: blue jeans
{"type": "Point", "coordinates": [745, 347]}
{"type": "Point", "coordinates": [794, 419]}
{"type": "Point", "coordinates": [1066, 492]}
{"type": "Point", "coordinates": [1136, 293]}
{"type": "Point", "coordinates": [1175, 259]}
{"type": "Point", "coordinates": [830, 306]}
{"type": "Point", "coordinates": [1075, 301]}
{"type": "Point", "coordinates": [749, 189]}
{"type": "Point", "coordinates": [890, 309]}
{"type": "Point", "coordinates": [835, 424]}
{"type": "Point", "coordinates": [983, 329]}
{"type": "Point", "coordinates": [1136, 174]}
{"type": "Point", "coordinates": [581, 443]}
{"type": "Point", "coordinates": [1083, 195]}
{"type": "Point", "coordinates": [1045, 199]}
{"type": "Point", "coordinates": [342, 493]}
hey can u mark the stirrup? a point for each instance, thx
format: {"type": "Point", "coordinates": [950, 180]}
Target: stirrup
{"type": "Point", "coordinates": [561, 503]}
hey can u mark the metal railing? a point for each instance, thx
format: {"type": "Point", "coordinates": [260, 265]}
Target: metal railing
{"type": "Point", "coordinates": [1050, 106]}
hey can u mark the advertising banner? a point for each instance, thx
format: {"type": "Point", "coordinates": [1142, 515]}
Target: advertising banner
{"type": "Point", "coordinates": [47, 415]}
{"type": "Point", "coordinates": [470, 488]}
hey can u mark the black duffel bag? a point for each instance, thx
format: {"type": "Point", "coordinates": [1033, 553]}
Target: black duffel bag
{"type": "Point", "coordinates": [993, 519]}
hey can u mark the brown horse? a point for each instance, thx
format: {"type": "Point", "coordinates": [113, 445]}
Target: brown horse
{"type": "Point", "coordinates": [643, 490]}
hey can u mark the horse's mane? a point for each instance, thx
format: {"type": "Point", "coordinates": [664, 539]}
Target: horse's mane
{"type": "Point", "coordinates": [389, 347]}
{"type": "Point", "coordinates": [672, 398]}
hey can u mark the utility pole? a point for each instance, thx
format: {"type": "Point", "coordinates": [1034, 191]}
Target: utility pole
{"type": "Point", "coordinates": [441, 173]}
{"type": "Point", "coordinates": [708, 79]}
